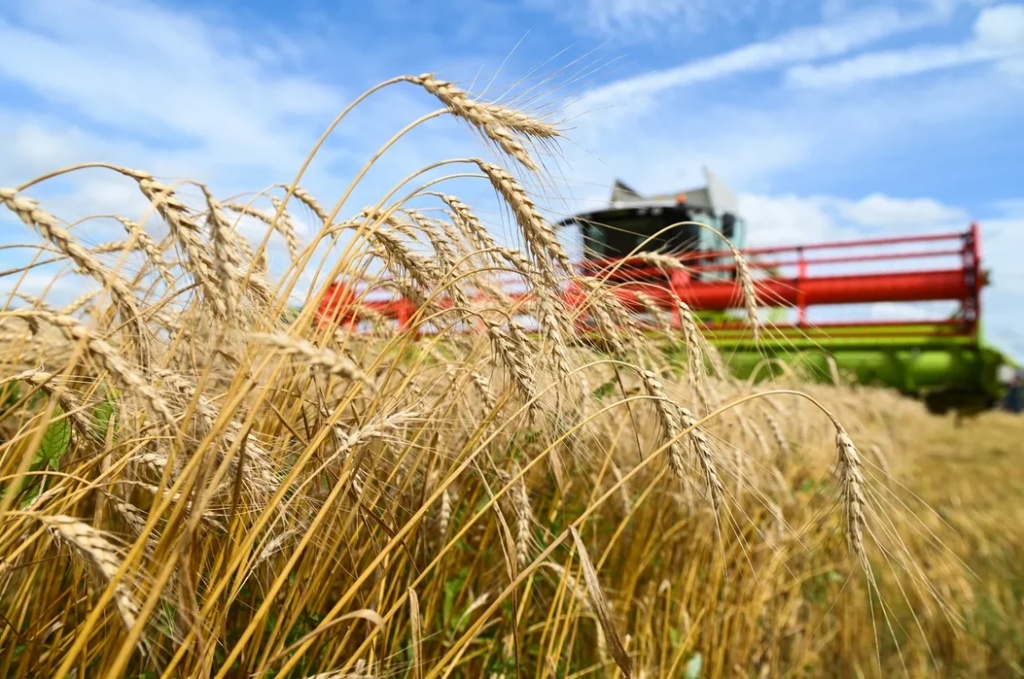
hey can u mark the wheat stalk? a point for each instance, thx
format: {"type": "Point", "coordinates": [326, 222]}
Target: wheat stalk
{"type": "Point", "coordinates": [148, 247]}
{"type": "Point", "coordinates": [226, 258]}
{"type": "Point", "coordinates": [851, 478]}
{"type": "Point", "coordinates": [600, 605]}
{"type": "Point", "coordinates": [325, 359]}
{"type": "Point", "coordinates": [540, 237]}
{"type": "Point", "coordinates": [101, 553]}
{"type": "Point", "coordinates": [513, 349]}
{"type": "Point", "coordinates": [497, 123]}
{"type": "Point", "coordinates": [107, 356]}
{"type": "Point", "coordinates": [69, 402]}
{"type": "Point", "coordinates": [670, 414]}
{"type": "Point", "coordinates": [29, 212]}
{"type": "Point", "coordinates": [749, 294]}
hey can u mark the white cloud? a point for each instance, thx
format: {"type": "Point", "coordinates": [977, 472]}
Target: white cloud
{"type": "Point", "coordinates": [1001, 25]}
{"type": "Point", "coordinates": [1013, 67]}
{"type": "Point", "coordinates": [793, 219]}
{"type": "Point", "coordinates": [1002, 241]}
{"type": "Point", "coordinates": [771, 139]}
{"type": "Point", "coordinates": [165, 76]}
{"type": "Point", "coordinates": [1002, 245]}
{"type": "Point", "coordinates": [183, 95]}
{"type": "Point", "coordinates": [881, 211]}
{"type": "Point", "coordinates": [786, 220]}
{"type": "Point", "coordinates": [998, 36]}
{"type": "Point", "coordinates": [801, 45]}
{"type": "Point", "coordinates": [893, 64]}
{"type": "Point", "coordinates": [644, 19]}
{"type": "Point", "coordinates": [53, 284]}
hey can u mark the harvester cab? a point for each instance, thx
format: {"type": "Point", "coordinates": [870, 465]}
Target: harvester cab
{"type": "Point", "coordinates": [671, 224]}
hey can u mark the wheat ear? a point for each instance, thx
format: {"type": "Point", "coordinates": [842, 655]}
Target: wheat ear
{"type": "Point", "coordinates": [851, 478]}
{"type": "Point", "coordinates": [497, 123]}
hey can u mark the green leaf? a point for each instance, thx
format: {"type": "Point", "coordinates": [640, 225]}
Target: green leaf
{"type": "Point", "coordinates": [605, 389]}
{"type": "Point", "coordinates": [101, 417]}
{"type": "Point", "coordinates": [55, 441]}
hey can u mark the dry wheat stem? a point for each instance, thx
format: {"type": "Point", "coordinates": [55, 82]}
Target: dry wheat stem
{"type": "Point", "coordinates": [581, 595]}
{"type": "Point", "coordinates": [187, 232]}
{"type": "Point", "coordinates": [77, 303]}
{"type": "Point", "coordinates": [286, 228]}
{"type": "Point", "coordinates": [513, 348]}
{"type": "Point", "coordinates": [148, 247]}
{"type": "Point", "coordinates": [464, 218]}
{"type": "Point", "coordinates": [661, 261]}
{"type": "Point", "coordinates": [445, 514]}
{"type": "Point", "coordinates": [615, 325]}
{"type": "Point", "coordinates": [746, 281]}
{"type": "Point", "coordinates": [307, 199]}
{"type": "Point", "coordinates": [69, 402]}
{"type": "Point", "coordinates": [697, 344]}
{"type": "Point", "coordinates": [421, 270]}
{"type": "Point", "coordinates": [749, 294]}
{"type": "Point", "coordinates": [201, 264]}
{"type": "Point", "coordinates": [520, 500]}
{"type": "Point", "coordinates": [482, 114]}
{"type": "Point", "coordinates": [389, 470]}
{"type": "Point", "coordinates": [600, 606]}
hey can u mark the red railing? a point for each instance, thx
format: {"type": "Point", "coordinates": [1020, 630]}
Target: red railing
{"type": "Point", "coordinates": [783, 276]}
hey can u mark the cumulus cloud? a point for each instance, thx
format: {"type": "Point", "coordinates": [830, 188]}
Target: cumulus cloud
{"type": "Point", "coordinates": [1000, 26]}
{"type": "Point", "coordinates": [787, 220]}
{"type": "Point", "coordinates": [151, 72]}
{"type": "Point", "coordinates": [879, 210]}
{"type": "Point", "coordinates": [185, 95]}
{"type": "Point", "coordinates": [792, 219]}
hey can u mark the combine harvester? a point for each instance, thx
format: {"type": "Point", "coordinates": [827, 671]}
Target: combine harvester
{"type": "Point", "coordinates": [943, 361]}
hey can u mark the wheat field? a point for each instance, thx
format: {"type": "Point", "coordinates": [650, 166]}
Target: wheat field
{"type": "Point", "coordinates": [200, 480]}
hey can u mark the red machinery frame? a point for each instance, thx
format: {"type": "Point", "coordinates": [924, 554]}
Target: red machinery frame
{"type": "Point", "coordinates": [637, 283]}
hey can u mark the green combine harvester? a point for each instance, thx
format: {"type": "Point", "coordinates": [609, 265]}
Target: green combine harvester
{"type": "Point", "coordinates": [942, 360]}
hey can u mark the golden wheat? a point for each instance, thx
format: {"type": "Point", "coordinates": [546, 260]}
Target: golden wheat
{"type": "Point", "coordinates": [316, 502]}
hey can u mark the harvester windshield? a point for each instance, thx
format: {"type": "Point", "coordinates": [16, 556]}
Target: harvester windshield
{"type": "Point", "coordinates": [613, 234]}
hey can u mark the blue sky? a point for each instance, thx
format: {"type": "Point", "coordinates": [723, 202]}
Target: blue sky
{"type": "Point", "coordinates": [831, 119]}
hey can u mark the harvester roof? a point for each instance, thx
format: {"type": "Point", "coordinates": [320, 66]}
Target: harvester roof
{"type": "Point", "coordinates": [713, 198]}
